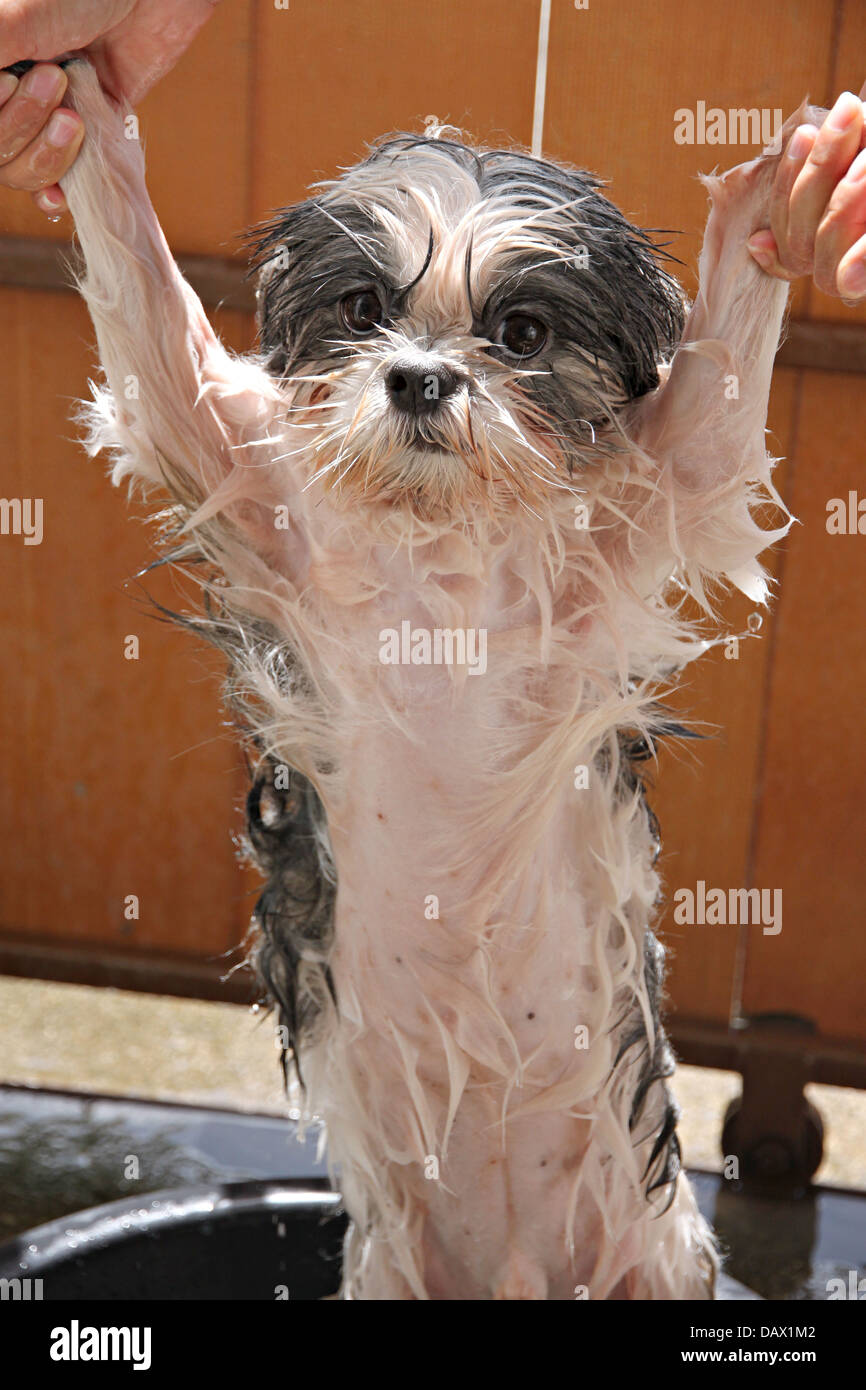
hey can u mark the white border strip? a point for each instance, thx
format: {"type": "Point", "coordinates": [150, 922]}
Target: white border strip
{"type": "Point", "coordinates": [541, 78]}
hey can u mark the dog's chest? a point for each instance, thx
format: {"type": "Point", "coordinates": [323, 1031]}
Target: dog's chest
{"type": "Point", "coordinates": [466, 879]}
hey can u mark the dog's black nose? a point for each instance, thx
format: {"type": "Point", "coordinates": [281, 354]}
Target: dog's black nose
{"type": "Point", "coordinates": [418, 384]}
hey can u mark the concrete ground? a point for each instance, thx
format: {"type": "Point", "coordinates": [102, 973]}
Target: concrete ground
{"type": "Point", "coordinates": [114, 1042]}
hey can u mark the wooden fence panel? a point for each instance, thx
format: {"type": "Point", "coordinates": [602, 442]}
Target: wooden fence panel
{"type": "Point", "coordinates": [120, 777]}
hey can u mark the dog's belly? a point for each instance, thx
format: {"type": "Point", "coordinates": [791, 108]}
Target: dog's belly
{"type": "Point", "coordinates": [468, 991]}
{"type": "Point", "coordinates": [501, 1231]}
{"type": "Point", "coordinates": [495, 1198]}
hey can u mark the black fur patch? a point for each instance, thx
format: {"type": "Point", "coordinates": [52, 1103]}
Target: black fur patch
{"type": "Point", "coordinates": [295, 912]}
{"type": "Point", "coordinates": [286, 825]}
{"type": "Point", "coordinates": [657, 1063]}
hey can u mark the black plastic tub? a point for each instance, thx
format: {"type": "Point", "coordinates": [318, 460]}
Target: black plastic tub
{"type": "Point", "coordinates": [242, 1240]}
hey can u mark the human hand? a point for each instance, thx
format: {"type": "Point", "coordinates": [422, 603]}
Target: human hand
{"type": "Point", "coordinates": [131, 43]}
{"type": "Point", "coordinates": [818, 206]}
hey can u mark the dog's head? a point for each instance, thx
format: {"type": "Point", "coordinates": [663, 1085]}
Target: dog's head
{"type": "Point", "coordinates": [455, 323]}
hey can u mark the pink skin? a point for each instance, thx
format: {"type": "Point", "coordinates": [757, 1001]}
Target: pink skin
{"type": "Point", "coordinates": [131, 43]}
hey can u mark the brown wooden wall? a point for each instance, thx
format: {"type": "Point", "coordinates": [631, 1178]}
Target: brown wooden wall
{"type": "Point", "coordinates": [121, 777]}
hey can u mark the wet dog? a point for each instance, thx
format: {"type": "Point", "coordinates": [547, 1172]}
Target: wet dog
{"type": "Point", "coordinates": [482, 405]}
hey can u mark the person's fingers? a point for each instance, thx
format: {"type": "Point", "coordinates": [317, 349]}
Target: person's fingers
{"type": "Point", "coordinates": [791, 164]}
{"type": "Point", "coordinates": [27, 109]}
{"type": "Point", "coordinates": [832, 152]}
{"type": "Point", "coordinates": [8, 85]}
{"type": "Point", "coordinates": [851, 273]}
{"type": "Point", "coordinates": [843, 224]}
{"type": "Point", "coordinates": [45, 160]}
{"type": "Point", "coordinates": [38, 139]}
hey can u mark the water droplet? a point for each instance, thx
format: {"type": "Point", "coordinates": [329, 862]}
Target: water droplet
{"type": "Point", "coordinates": [255, 1008]}
{"type": "Point", "coordinates": [755, 622]}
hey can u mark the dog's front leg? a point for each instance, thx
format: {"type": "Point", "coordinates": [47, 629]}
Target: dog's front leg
{"type": "Point", "coordinates": [702, 432]}
{"type": "Point", "coordinates": [179, 410]}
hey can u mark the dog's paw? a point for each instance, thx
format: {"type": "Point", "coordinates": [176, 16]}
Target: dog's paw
{"type": "Point", "coordinates": [818, 205]}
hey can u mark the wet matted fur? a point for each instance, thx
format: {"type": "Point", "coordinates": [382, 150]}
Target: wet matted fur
{"type": "Point", "coordinates": [460, 881]}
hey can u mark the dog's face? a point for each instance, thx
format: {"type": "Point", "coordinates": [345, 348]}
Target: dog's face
{"type": "Point", "coordinates": [455, 324]}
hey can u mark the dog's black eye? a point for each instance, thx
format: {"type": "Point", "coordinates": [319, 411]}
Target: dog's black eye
{"type": "Point", "coordinates": [362, 311]}
{"type": "Point", "coordinates": [521, 335]}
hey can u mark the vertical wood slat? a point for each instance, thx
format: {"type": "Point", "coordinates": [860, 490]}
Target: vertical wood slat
{"type": "Point", "coordinates": [811, 826]}
{"type": "Point", "coordinates": [617, 78]}
{"type": "Point", "coordinates": [119, 777]}
{"type": "Point", "coordinates": [619, 121]}
{"type": "Point", "coordinates": [333, 77]}
{"type": "Point", "coordinates": [705, 793]}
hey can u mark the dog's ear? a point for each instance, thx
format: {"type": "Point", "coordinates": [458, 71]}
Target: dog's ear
{"type": "Point", "coordinates": [653, 315]}
{"type": "Point", "coordinates": [269, 247]}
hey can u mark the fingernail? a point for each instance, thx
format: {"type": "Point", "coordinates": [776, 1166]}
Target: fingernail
{"type": "Point", "coordinates": [62, 129]}
{"type": "Point", "coordinates": [799, 144]}
{"type": "Point", "coordinates": [51, 199]}
{"type": "Point", "coordinates": [852, 282]}
{"type": "Point", "coordinates": [43, 83]}
{"type": "Point", "coordinates": [51, 203]}
{"type": "Point", "coordinates": [845, 111]}
{"type": "Point", "coordinates": [8, 83]}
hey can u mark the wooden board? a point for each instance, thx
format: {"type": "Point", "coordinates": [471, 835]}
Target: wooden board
{"type": "Point", "coordinates": [811, 827]}
{"type": "Point", "coordinates": [618, 77]}
{"type": "Point", "coordinates": [333, 77]}
{"type": "Point", "coordinates": [706, 792]}
{"type": "Point", "coordinates": [121, 778]}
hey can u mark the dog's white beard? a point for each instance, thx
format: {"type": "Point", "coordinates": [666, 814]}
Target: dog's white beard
{"type": "Point", "coordinates": [488, 909]}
